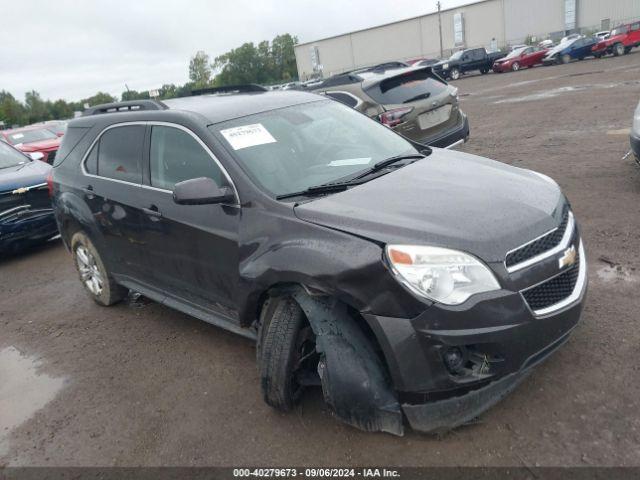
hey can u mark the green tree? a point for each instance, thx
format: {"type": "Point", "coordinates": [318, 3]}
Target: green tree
{"type": "Point", "coordinates": [98, 98]}
{"type": "Point", "coordinates": [266, 63]}
{"type": "Point", "coordinates": [61, 110]}
{"type": "Point", "coordinates": [199, 70]}
{"type": "Point", "coordinates": [12, 112]}
{"type": "Point", "coordinates": [37, 110]}
{"type": "Point", "coordinates": [284, 57]}
{"type": "Point", "coordinates": [134, 95]}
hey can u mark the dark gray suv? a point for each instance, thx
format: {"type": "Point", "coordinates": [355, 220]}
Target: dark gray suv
{"type": "Point", "coordinates": [409, 282]}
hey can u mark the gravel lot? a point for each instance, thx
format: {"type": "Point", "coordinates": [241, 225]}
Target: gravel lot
{"type": "Point", "coordinates": [140, 384]}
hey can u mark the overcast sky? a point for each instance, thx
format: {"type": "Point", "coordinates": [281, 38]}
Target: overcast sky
{"type": "Point", "coordinates": [72, 49]}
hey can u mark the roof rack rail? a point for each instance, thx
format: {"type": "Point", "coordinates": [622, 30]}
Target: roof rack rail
{"type": "Point", "coordinates": [245, 88]}
{"type": "Point", "coordinates": [129, 106]}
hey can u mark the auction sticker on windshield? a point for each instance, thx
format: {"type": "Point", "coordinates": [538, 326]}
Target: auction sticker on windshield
{"type": "Point", "coordinates": [247, 136]}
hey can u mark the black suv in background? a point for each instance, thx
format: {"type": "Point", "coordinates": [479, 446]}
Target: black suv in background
{"type": "Point", "coordinates": [465, 61]}
{"type": "Point", "coordinates": [411, 283]}
{"type": "Point", "coordinates": [411, 100]}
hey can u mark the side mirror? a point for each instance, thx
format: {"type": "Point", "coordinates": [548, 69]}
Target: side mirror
{"type": "Point", "coordinates": [36, 155]}
{"type": "Point", "coordinates": [201, 191]}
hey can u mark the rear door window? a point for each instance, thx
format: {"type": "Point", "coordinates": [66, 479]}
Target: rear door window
{"type": "Point", "coordinates": [406, 88]}
{"type": "Point", "coordinates": [120, 153]}
{"type": "Point", "coordinates": [176, 156]}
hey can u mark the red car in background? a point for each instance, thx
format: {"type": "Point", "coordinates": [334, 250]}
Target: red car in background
{"type": "Point", "coordinates": [520, 58]}
{"type": "Point", "coordinates": [620, 41]}
{"type": "Point", "coordinates": [33, 139]}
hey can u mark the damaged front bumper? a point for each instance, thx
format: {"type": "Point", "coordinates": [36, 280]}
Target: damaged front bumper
{"type": "Point", "coordinates": [498, 340]}
{"type": "Point", "coordinates": [443, 415]}
{"type": "Point", "coordinates": [20, 225]}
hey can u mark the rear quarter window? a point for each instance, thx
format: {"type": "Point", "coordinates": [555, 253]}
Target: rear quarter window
{"type": "Point", "coordinates": [69, 141]}
{"type": "Point", "coordinates": [406, 88]}
{"type": "Point", "coordinates": [120, 153]}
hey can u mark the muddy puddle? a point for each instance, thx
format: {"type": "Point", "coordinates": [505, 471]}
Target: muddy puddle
{"type": "Point", "coordinates": [23, 391]}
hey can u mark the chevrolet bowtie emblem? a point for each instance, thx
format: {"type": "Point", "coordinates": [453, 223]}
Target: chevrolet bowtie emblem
{"type": "Point", "coordinates": [568, 258]}
{"type": "Point", "coordinates": [20, 190]}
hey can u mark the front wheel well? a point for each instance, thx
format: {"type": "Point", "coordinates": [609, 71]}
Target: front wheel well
{"type": "Point", "coordinates": [295, 290]}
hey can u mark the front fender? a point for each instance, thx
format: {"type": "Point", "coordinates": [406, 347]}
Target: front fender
{"type": "Point", "coordinates": [336, 263]}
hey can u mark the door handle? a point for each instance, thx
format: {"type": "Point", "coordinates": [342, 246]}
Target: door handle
{"type": "Point", "coordinates": [152, 211]}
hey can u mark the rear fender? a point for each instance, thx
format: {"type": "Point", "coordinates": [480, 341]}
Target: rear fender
{"type": "Point", "coordinates": [72, 212]}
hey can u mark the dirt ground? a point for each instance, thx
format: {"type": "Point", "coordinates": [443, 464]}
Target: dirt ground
{"type": "Point", "coordinates": [141, 384]}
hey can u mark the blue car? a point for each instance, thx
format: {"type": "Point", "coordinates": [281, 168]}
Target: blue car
{"type": "Point", "coordinates": [26, 216]}
{"type": "Point", "coordinates": [576, 48]}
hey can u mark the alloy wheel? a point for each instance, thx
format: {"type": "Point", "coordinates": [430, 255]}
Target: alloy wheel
{"type": "Point", "coordinates": [89, 271]}
{"type": "Point", "coordinates": [515, 67]}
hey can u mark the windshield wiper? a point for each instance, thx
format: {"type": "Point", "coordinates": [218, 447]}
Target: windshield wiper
{"type": "Point", "coordinates": [422, 96]}
{"type": "Point", "coordinates": [388, 161]}
{"type": "Point", "coordinates": [318, 189]}
{"type": "Point", "coordinates": [341, 186]}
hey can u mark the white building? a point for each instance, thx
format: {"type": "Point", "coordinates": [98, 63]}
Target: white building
{"type": "Point", "coordinates": [481, 23]}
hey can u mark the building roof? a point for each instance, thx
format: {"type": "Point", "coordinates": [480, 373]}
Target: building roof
{"type": "Point", "coordinates": [473, 2]}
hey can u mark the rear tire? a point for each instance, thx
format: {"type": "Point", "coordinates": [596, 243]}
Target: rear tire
{"type": "Point", "coordinates": [618, 49]}
{"type": "Point", "coordinates": [484, 71]}
{"type": "Point", "coordinates": [95, 278]}
{"type": "Point", "coordinates": [282, 324]}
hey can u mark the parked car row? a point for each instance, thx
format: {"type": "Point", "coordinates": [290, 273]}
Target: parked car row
{"type": "Point", "coordinates": [40, 141]}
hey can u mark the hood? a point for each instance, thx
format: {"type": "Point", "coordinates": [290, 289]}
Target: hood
{"type": "Point", "coordinates": [560, 47]}
{"type": "Point", "coordinates": [25, 175]}
{"type": "Point", "coordinates": [449, 199]}
{"type": "Point", "coordinates": [39, 146]}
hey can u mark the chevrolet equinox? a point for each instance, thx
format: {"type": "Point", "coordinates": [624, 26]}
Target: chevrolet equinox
{"type": "Point", "coordinates": [413, 284]}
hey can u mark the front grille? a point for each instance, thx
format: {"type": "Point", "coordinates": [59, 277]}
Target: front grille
{"type": "Point", "coordinates": [8, 200]}
{"type": "Point", "coordinates": [538, 246]}
{"type": "Point", "coordinates": [554, 290]}
{"type": "Point", "coordinates": [37, 198]}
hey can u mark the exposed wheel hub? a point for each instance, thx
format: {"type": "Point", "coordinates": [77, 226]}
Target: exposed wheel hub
{"type": "Point", "coordinates": [89, 271]}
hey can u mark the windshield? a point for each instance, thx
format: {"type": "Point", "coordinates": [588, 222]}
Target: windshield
{"type": "Point", "coordinates": [619, 30]}
{"type": "Point", "coordinates": [57, 128]}
{"type": "Point", "coordinates": [516, 53]}
{"type": "Point", "coordinates": [10, 157]}
{"type": "Point", "coordinates": [457, 55]}
{"type": "Point", "coordinates": [30, 136]}
{"type": "Point", "coordinates": [291, 149]}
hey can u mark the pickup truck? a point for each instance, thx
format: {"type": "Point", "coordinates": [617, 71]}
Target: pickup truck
{"type": "Point", "coordinates": [465, 61]}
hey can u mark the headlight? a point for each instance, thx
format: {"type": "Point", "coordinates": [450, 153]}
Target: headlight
{"type": "Point", "coordinates": [445, 66]}
{"type": "Point", "coordinates": [440, 274]}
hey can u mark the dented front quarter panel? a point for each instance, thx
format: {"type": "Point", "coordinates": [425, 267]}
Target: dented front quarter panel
{"type": "Point", "coordinates": [277, 248]}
